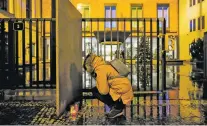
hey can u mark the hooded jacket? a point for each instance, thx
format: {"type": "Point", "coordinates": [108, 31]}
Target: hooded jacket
{"type": "Point", "coordinates": [117, 87]}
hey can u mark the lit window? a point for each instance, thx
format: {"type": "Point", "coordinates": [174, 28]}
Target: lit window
{"type": "Point", "coordinates": [136, 12]}
{"type": "Point", "coordinates": [191, 25]}
{"type": "Point", "coordinates": [110, 12]}
{"type": "Point", "coordinates": [194, 24]}
{"type": "Point", "coordinates": [163, 12]}
{"type": "Point", "coordinates": [84, 10]}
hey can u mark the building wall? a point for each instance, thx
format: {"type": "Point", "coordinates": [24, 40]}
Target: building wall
{"type": "Point", "coordinates": [123, 9]}
{"type": "Point", "coordinates": [187, 13]}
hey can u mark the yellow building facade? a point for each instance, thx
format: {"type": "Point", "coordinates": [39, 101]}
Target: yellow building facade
{"type": "Point", "coordinates": [129, 9]}
{"type": "Point", "coordinates": [192, 24]}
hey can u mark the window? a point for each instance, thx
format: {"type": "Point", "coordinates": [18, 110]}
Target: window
{"type": "Point", "coordinates": [199, 23]}
{"type": "Point", "coordinates": [194, 24]}
{"type": "Point", "coordinates": [191, 25]}
{"type": "Point", "coordinates": [84, 10]}
{"type": "Point", "coordinates": [110, 12]}
{"type": "Point", "coordinates": [163, 12]}
{"type": "Point", "coordinates": [203, 22]}
{"type": "Point", "coordinates": [33, 50]}
{"type": "Point", "coordinates": [29, 9]}
{"type": "Point", "coordinates": [3, 5]}
{"type": "Point", "coordinates": [136, 12]}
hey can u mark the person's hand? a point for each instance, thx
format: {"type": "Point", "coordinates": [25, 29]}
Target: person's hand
{"type": "Point", "coordinates": [93, 74]}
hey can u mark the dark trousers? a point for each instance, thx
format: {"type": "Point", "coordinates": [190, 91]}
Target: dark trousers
{"type": "Point", "coordinates": [107, 99]}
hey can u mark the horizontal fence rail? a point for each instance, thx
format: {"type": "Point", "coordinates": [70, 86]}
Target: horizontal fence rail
{"type": "Point", "coordinates": [138, 42]}
{"type": "Point", "coordinates": [27, 53]}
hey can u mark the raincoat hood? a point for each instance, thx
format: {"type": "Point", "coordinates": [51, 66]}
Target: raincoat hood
{"type": "Point", "coordinates": [92, 61]}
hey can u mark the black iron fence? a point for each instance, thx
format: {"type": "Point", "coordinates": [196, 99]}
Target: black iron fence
{"type": "Point", "coordinates": [138, 42]}
{"type": "Point", "coordinates": [27, 53]}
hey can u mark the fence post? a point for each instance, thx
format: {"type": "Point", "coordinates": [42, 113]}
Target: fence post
{"type": "Point", "coordinates": [2, 54]}
{"type": "Point", "coordinates": [163, 57]}
{"type": "Point", "coordinates": [205, 54]}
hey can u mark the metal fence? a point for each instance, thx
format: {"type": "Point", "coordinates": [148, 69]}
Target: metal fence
{"type": "Point", "coordinates": [138, 42]}
{"type": "Point", "coordinates": [27, 53]}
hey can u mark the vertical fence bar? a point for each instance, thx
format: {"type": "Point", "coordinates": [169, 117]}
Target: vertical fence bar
{"type": "Point", "coordinates": [117, 38]}
{"type": "Point", "coordinates": [111, 39]}
{"type": "Point", "coordinates": [17, 51]}
{"type": "Point", "coordinates": [91, 47]}
{"type": "Point", "coordinates": [11, 54]}
{"type": "Point", "coordinates": [205, 54]}
{"type": "Point", "coordinates": [84, 41]}
{"type": "Point", "coordinates": [131, 63]}
{"type": "Point", "coordinates": [104, 39]}
{"type": "Point", "coordinates": [2, 38]}
{"type": "Point", "coordinates": [44, 57]}
{"type": "Point", "coordinates": [98, 37]}
{"type": "Point", "coordinates": [158, 55]}
{"type": "Point", "coordinates": [131, 53]}
{"type": "Point", "coordinates": [138, 54]}
{"type": "Point", "coordinates": [30, 52]}
{"type": "Point", "coordinates": [23, 55]}
{"type": "Point", "coordinates": [163, 57]}
{"type": "Point", "coordinates": [151, 57]}
{"type": "Point", "coordinates": [145, 55]}
{"type": "Point", "coordinates": [51, 52]}
{"type": "Point", "coordinates": [125, 41]}
{"type": "Point", "coordinates": [125, 48]}
{"type": "Point", "coordinates": [37, 53]}
{"type": "Point", "coordinates": [53, 70]}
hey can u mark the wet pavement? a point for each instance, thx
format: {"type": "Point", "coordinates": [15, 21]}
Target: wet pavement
{"type": "Point", "coordinates": [183, 103]}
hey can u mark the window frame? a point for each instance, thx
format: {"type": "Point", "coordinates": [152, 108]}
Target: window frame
{"type": "Point", "coordinates": [168, 6]}
{"type": "Point", "coordinates": [82, 11]}
{"type": "Point", "coordinates": [113, 22]}
{"type": "Point", "coordinates": [194, 24]}
{"type": "Point", "coordinates": [137, 6]}
{"type": "Point", "coordinates": [191, 25]}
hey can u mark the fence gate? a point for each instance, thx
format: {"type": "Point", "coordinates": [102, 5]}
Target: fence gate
{"type": "Point", "coordinates": [27, 53]}
{"type": "Point", "coordinates": [140, 43]}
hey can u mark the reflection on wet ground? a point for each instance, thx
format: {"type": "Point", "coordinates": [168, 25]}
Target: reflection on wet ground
{"type": "Point", "coordinates": [183, 103]}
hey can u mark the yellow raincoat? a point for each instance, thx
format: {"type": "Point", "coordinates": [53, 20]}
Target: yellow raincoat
{"type": "Point", "coordinates": [117, 87]}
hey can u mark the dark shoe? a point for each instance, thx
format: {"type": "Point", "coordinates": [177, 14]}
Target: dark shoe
{"type": "Point", "coordinates": [115, 113]}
